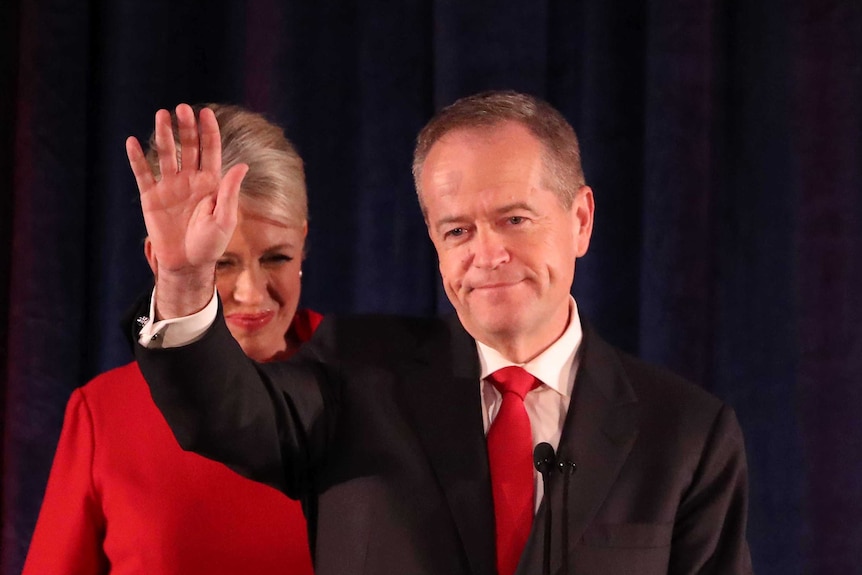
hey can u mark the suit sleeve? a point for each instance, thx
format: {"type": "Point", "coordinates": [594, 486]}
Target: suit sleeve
{"type": "Point", "coordinates": [262, 420]}
{"type": "Point", "coordinates": [70, 529]}
{"type": "Point", "coordinates": [709, 532]}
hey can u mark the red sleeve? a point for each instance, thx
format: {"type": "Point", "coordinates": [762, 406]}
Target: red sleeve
{"type": "Point", "coordinates": [71, 526]}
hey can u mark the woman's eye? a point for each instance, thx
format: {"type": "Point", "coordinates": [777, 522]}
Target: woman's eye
{"type": "Point", "coordinates": [223, 264]}
{"type": "Point", "coordinates": [276, 259]}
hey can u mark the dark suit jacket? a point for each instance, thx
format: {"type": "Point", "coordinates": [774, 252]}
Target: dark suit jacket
{"type": "Point", "coordinates": [376, 425]}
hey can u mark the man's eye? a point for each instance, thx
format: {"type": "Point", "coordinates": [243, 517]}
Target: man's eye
{"type": "Point", "coordinates": [516, 220]}
{"type": "Point", "coordinates": [455, 232]}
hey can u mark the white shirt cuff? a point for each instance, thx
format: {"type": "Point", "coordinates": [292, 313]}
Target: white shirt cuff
{"type": "Point", "coordinates": [178, 331]}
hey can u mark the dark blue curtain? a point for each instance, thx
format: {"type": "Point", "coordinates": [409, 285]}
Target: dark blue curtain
{"type": "Point", "coordinates": [723, 140]}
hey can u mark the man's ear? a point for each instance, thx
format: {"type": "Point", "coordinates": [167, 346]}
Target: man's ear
{"type": "Point", "coordinates": [583, 210]}
{"type": "Point", "coordinates": [151, 257]}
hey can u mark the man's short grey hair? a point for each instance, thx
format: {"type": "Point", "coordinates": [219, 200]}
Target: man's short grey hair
{"type": "Point", "coordinates": [563, 173]}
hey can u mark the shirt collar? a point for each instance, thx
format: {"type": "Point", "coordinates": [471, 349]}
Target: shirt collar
{"type": "Point", "coordinates": [554, 367]}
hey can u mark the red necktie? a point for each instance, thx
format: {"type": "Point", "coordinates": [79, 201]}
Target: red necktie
{"type": "Point", "coordinates": [510, 454]}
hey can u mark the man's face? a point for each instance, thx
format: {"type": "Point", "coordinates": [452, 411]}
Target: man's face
{"type": "Point", "coordinates": [506, 245]}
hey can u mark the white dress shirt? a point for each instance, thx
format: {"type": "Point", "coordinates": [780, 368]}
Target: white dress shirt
{"type": "Point", "coordinates": [548, 404]}
{"type": "Point", "coordinates": [178, 331]}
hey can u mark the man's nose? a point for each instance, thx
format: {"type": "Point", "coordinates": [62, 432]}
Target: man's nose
{"type": "Point", "coordinates": [489, 249]}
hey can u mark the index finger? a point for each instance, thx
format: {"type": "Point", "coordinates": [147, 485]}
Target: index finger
{"type": "Point", "coordinates": [210, 142]}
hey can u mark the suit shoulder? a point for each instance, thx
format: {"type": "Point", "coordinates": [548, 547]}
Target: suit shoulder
{"type": "Point", "coordinates": [663, 397]}
{"type": "Point", "coordinates": [678, 409]}
{"type": "Point", "coordinates": [376, 335]}
{"type": "Point", "coordinates": [654, 381]}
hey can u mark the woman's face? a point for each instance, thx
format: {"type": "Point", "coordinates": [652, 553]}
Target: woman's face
{"type": "Point", "coordinates": [258, 280]}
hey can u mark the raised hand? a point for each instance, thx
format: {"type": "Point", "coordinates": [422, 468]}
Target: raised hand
{"type": "Point", "coordinates": [190, 211]}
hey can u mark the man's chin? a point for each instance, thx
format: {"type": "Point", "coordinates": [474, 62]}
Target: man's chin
{"type": "Point", "coordinates": [492, 325]}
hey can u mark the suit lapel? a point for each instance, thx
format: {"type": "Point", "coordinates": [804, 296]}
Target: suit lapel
{"type": "Point", "coordinates": [600, 429]}
{"type": "Point", "coordinates": [446, 407]}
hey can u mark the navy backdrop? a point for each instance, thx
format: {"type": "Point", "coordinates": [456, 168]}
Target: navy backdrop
{"type": "Point", "coordinates": [723, 140]}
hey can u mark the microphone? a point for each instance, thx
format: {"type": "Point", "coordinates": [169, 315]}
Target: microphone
{"type": "Point", "coordinates": [545, 461]}
{"type": "Point", "coordinates": [544, 458]}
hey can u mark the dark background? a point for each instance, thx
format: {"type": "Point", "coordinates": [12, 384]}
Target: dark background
{"type": "Point", "coordinates": [723, 140]}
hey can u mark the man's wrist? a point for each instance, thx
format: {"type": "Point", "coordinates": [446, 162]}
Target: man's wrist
{"type": "Point", "coordinates": [180, 294]}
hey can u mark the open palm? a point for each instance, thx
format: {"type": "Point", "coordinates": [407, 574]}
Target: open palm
{"type": "Point", "coordinates": [191, 211]}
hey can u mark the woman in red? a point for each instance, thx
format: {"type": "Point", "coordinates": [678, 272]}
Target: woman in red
{"type": "Point", "coordinates": [122, 496]}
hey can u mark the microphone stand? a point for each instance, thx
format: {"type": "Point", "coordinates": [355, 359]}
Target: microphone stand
{"type": "Point", "coordinates": [568, 469]}
{"type": "Point", "coordinates": [545, 461]}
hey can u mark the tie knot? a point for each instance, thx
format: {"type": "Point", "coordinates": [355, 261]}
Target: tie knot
{"type": "Point", "coordinates": [513, 379]}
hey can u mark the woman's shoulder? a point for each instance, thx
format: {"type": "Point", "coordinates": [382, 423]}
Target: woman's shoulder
{"type": "Point", "coordinates": [120, 383]}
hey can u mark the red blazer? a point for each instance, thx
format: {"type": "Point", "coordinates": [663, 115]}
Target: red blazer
{"type": "Point", "coordinates": [123, 497]}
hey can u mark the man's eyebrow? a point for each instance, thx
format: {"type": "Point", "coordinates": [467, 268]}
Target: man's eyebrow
{"type": "Point", "coordinates": [453, 219]}
{"type": "Point", "coordinates": [449, 220]}
{"type": "Point", "coordinates": [515, 206]}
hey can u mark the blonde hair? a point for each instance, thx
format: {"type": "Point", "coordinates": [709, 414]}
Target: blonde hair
{"type": "Point", "coordinates": [274, 186]}
{"type": "Point", "coordinates": [562, 155]}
